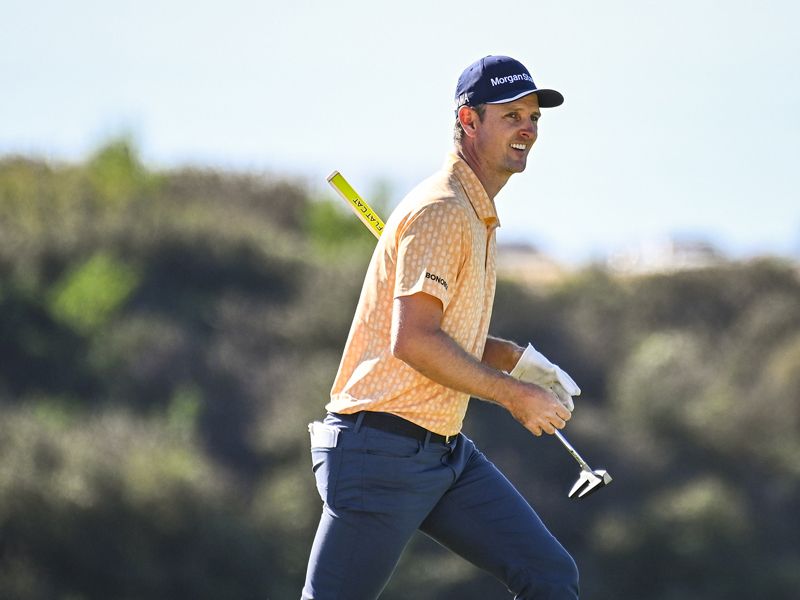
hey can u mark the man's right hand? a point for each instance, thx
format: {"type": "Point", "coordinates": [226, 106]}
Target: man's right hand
{"type": "Point", "coordinates": [536, 408]}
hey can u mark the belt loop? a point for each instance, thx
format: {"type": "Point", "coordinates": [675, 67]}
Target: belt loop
{"type": "Point", "coordinates": [427, 439]}
{"type": "Point", "coordinates": [359, 420]}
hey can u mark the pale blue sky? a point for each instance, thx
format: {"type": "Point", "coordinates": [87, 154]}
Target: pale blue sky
{"type": "Point", "coordinates": [681, 118]}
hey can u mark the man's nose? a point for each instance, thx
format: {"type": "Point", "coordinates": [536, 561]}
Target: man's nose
{"type": "Point", "coordinates": [529, 131]}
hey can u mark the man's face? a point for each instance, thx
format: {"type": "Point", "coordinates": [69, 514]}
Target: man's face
{"type": "Point", "coordinates": [506, 134]}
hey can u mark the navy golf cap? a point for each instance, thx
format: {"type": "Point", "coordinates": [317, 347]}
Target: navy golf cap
{"type": "Point", "coordinates": [499, 79]}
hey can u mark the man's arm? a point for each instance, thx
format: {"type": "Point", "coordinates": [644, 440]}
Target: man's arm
{"type": "Point", "coordinates": [418, 340]}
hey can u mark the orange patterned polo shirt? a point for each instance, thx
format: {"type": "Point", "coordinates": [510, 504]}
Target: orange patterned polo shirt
{"type": "Point", "coordinates": [439, 240]}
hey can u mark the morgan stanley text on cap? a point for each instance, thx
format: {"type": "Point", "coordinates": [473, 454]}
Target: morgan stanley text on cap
{"type": "Point", "coordinates": [499, 79]}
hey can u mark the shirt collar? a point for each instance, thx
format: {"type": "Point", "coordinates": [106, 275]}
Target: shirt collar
{"type": "Point", "coordinates": [483, 205]}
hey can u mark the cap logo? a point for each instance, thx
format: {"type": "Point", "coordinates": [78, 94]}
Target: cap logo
{"type": "Point", "coordinates": [497, 80]}
{"type": "Point", "coordinates": [511, 78]}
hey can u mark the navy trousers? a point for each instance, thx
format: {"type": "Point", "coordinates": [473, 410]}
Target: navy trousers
{"type": "Point", "coordinates": [378, 488]}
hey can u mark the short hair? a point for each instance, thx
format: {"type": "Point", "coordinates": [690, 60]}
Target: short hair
{"type": "Point", "coordinates": [458, 131]}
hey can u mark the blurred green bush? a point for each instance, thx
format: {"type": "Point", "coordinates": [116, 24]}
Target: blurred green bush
{"type": "Point", "coordinates": [166, 336]}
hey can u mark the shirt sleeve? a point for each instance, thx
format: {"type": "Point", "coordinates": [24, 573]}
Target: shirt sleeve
{"type": "Point", "coordinates": [431, 251]}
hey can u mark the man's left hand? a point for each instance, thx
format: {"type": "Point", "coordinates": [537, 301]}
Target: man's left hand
{"type": "Point", "coordinates": [534, 367]}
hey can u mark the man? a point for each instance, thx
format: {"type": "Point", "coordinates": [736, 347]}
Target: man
{"type": "Point", "coordinates": [389, 458]}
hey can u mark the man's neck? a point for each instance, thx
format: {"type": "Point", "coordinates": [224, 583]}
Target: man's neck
{"type": "Point", "coordinates": [492, 184]}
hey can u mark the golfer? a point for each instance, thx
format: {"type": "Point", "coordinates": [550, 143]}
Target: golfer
{"type": "Point", "coordinates": [389, 457]}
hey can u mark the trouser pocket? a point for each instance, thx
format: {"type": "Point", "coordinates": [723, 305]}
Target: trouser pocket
{"type": "Point", "coordinates": [325, 458]}
{"type": "Point", "coordinates": [325, 463]}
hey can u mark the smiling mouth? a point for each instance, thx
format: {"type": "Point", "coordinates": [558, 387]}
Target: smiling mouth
{"type": "Point", "coordinates": [519, 146]}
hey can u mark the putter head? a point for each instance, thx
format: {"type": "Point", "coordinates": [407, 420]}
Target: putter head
{"type": "Point", "coordinates": [589, 482]}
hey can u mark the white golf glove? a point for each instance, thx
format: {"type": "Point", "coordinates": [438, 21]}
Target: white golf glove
{"type": "Point", "coordinates": [533, 367]}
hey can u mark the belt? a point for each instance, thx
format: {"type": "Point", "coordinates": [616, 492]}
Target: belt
{"type": "Point", "coordinates": [394, 424]}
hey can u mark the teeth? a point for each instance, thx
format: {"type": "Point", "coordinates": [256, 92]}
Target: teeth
{"type": "Point", "coordinates": [519, 146]}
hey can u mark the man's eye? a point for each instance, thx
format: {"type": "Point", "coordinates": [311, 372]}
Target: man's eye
{"type": "Point", "coordinates": [535, 118]}
{"type": "Point", "coordinates": [513, 115]}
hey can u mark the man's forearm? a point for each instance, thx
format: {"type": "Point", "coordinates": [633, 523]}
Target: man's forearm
{"type": "Point", "coordinates": [437, 356]}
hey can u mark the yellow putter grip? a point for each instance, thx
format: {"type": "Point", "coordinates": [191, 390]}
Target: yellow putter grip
{"type": "Point", "coordinates": [357, 203]}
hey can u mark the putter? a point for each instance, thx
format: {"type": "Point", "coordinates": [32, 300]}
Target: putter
{"type": "Point", "coordinates": [589, 480]}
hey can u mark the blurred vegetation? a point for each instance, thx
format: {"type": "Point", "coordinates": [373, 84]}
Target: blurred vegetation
{"type": "Point", "coordinates": [166, 336]}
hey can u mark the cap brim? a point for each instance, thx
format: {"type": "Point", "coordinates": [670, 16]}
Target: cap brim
{"type": "Point", "coordinates": [547, 98]}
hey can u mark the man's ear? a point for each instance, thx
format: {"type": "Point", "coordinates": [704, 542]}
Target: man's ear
{"type": "Point", "coordinates": [468, 118]}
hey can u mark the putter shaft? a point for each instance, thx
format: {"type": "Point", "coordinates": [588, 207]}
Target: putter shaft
{"type": "Point", "coordinates": [584, 465]}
